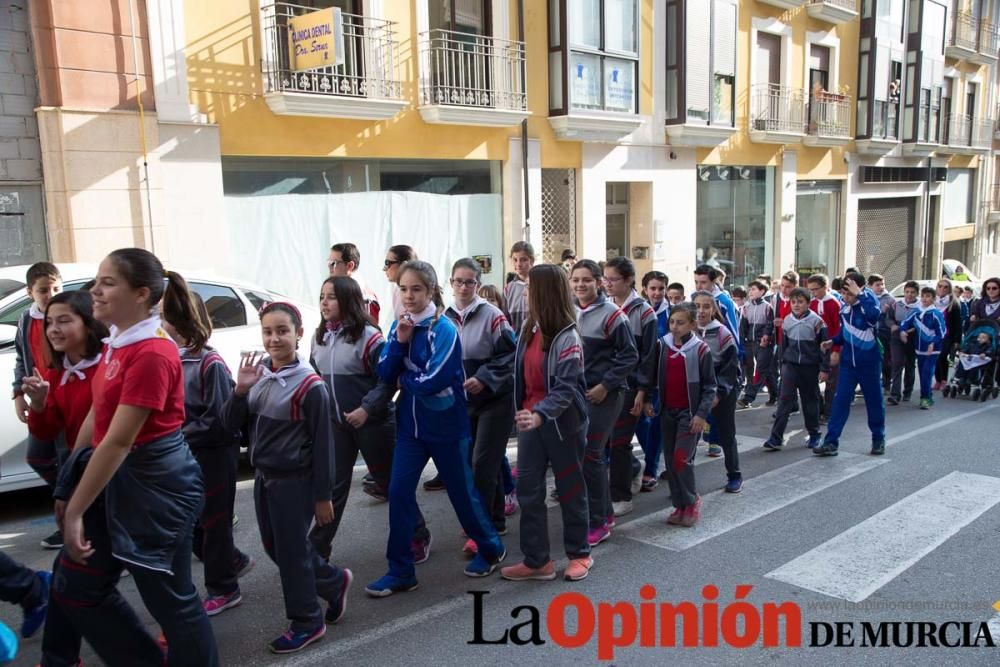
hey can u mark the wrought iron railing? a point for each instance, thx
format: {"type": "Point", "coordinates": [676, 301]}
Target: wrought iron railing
{"type": "Point", "coordinates": [463, 69]}
{"type": "Point", "coordinates": [989, 38]}
{"type": "Point", "coordinates": [830, 115]}
{"type": "Point", "coordinates": [371, 58]}
{"type": "Point", "coordinates": [982, 132]}
{"type": "Point", "coordinates": [993, 204]}
{"type": "Point", "coordinates": [778, 108]}
{"type": "Point", "coordinates": [959, 129]}
{"type": "Point", "coordinates": [964, 30]}
{"type": "Point", "coordinates": [885, 120]}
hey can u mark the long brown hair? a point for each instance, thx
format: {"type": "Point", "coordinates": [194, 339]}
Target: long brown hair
{"type": "Point", "coordinates": [550, 304]}
{"type": "Point", "coordinates": [354, 316]}
{"type": "Point", "coordinates": [428, 276]}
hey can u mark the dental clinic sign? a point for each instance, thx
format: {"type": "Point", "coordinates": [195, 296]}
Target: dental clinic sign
{"type": "Point", "coordinates": [316, 40]}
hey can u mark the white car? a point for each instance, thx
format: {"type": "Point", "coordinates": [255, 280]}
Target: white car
{"type": "Point", "coordinates": [232, 305]}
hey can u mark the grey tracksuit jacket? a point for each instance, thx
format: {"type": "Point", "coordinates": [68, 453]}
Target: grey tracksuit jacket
{"type": "Point", "coordinates": [699, 369]}
{"type": "Point", "coordinates": [208, 384]}
{"type": "Point", "coordinates": [800, 342]}
{"type": "Point", "coordinates": [488, 346]}
{"type": "Point", "coordinates": [564, 382]}
{"type": "Point", "coordinates": [349, 370]}
{"type": "Point", "coordinates": [642, 322]}
{"type": "Point", "coordinates": [608, 344]}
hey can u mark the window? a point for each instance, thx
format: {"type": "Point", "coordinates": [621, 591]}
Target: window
{"type": "Point", "coordinates": [701, 62]}
{"type": "Point", "coordinates": [224, 308]}
{"type": "Point", "coordinates": [259, 299]}
{"type": "Point", "coordinates": [8, 287]}
{"type": "Point", "coordinates": [12, 313]}
{"type": "Point", "coordinates": [602, 57]}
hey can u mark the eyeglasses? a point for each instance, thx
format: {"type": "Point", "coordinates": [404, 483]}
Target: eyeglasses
{"type": "Point", "coordinates": [334, 262]}
{"type": "Point", "coordinates": [612, 281]}
{"type": "Point", "coordinates": [390, 262]}
{"type": "Point", "coordinates": [455, 282]}
{"type": "Point", "coordinates": [990, 288]}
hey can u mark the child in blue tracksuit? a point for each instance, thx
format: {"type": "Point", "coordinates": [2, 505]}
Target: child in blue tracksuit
{"type": "Point", "coordinates": [654, 288]}
{"type": "Point", "coordinates": [931, 328]}
{"type": "Point", "coordinates": [860, 362]}
{"type": "Point", "coordinates": [423, 355]}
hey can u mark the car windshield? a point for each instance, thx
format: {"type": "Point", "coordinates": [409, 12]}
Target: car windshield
{"type": "Point", "coordinates": [8, 287]}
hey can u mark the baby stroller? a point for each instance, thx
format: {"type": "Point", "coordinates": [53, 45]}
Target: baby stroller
{"type": "Point", "coordinates": [976, 362]}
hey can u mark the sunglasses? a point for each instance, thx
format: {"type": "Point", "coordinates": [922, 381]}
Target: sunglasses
{"type": "Point", "coordinates": [390, 262]}
{"type": "Point", "coordinates": [990, 288]}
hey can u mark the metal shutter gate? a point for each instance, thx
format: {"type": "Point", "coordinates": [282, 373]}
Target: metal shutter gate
{"type": "Point", "coordinates": [885, 238]}
{"type": "Point", "coordinates": [558, 213]}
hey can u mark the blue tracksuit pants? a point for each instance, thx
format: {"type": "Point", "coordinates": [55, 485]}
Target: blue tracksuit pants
{"type": "Point", "coordinates": [926, 363]}
{"type": "Point", "coordinates": [452, 461]}
{"type": "Point", "coordinates": [870, 379]}
{"type": "Point", "coordinates": [650, 439]}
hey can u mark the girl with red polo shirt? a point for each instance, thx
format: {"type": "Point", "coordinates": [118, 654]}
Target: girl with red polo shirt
{"type": "Point", "coordinates": [59, 401]}
{"type": "Point", "coordinates": [685, 392]}
{"type": "Point", "coordinates": [144, 473]}
{"type": "Point", "coordinates": [551, 418]}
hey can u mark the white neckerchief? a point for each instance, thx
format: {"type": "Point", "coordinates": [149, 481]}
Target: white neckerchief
{"type": "Point", "coordinates": [593, 304]}
{"type": "Point", "coordinates": [429, 311]}
{"type": "Point", "coordinates": [942, 302]}
{"type": "Point", "coordinates": [991, 307]}
{"type": "Point", "coordinates": [144, 330]}
{"type": "Point", "coordinates": [634, 296]}
{"type": "Point", "coordinates": [280, 374]}
{"type": "Point", "coordinates": [464, 312]}
{"type": "Point", "coordinates": [663, 306]}
{"type": "Point", "coordinates": [35, 312]}
{"type": "Point", "coordinates": [714, 324]}
{"type": "Point", "coordinates": [716, 290]}
{"type": "Point", "coordinates": [669, 340]}
{"type": "Point", "coordinates": [77, 369]}
{"type": "Point", "coordinates": [924, 309]}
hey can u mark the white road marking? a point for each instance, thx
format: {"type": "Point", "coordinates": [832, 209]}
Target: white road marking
{"type": "Point", "coordinates": [863, 559]}
{"type": "Point", "coordinates": [994, 625]}
{"type": "Point", "coordinates": [722, 512]}
{"type": "Point", "coordinates": [936, 425]}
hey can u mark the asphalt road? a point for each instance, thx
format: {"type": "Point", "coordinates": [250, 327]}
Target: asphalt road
{"type": "Point", "coordinates": [908, 537]}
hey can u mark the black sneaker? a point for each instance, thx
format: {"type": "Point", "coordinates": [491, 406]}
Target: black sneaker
{"type": "Point", "coordinates": [906, 398]}
{"type": "Point", "coordinates": [376, 492]}
{"type": "Point", "coordinates": [53, 541]}
{"type": "Point", "coordinates": [878, 447]}
{"type": "Point", "coordinates": [664, 476]}
{"type": "Point", "coordinates": [772, 446]}
{"type": "Point", "coordinates": [434, 484]}
{"type": "Point", "coordinates": [336, 610]}
{"type": "Point", "coordinates": [826, 449]}
{"type": "Point", "coordinates": [771, 402]}
{"type": "Point", "coordinates": [743, 404]}
{"type": "Point", "coordinates": [892, 400]}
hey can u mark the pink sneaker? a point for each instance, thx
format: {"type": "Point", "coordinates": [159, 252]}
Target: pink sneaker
{"type": "Point", "coordinates": [597, 535]}
{"type": "Point", "coordinates": [610, 522]}
{"type": "Point", "coordinates": [470, 548]}
{"type": "Point", "coordinates": [675, 517]}
{"type": "Point", "coordinates": [692, 513]}
{"type": "Point", "coordinates": [510, 504]}
{"type": "Point", "coordinates": [216, 604]}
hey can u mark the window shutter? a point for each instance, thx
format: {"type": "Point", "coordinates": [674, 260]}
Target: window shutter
{"type": "Point", "coordinates": [699, 33]}
{"type": "Point", "coordinates": [724, 39]}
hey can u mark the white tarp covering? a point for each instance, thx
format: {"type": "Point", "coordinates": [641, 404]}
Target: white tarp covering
{"type": "Point", "coordinates": [282, 242]}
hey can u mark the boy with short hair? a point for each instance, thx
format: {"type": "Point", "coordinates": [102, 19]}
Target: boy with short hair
{"type": "Point", "coordinates": [757, 332]}
{"type": "Point", "coordinates": [859, 360]}
{"type": "Point", "coordinates": [522, 256]}
{"type": "Point", "coordinates": [739, 298]}
{"type": "Point", "coordinates": [930, 326]}
{"type": "Point", "coordinates": [675, 293]}
{"type": "Point", "coordinates": [903, 355]}
{"type": "Point", "coordinates": [804, 364]}
{"type": "Point", "coordinates": [31, 348]}
{"type": "Point", "coordinates": [876, 284]}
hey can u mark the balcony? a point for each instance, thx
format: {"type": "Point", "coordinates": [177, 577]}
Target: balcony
{"type": "Point", "coordinates": [982, 134]}
{"type": "Point", "coordinates": [784, 4]}
{"type": "Point", "coordinates": [967, 135]}
{"type": "Point", "coordinates": [885, 129]}
{"type": "Point", "coordinates": [926, 143]}
{"type": "Point", "coordinates": [777, 114]}
{"type": "Point", "coordinates": [989, 44]}
{"type": "Point", "coordinates": [833, 11]}
{"type": "Point", "coordinates": [469, 79]}
{"type": "Point", "coordinates": [366, 86]}
{"type": "Point", "coordinates": [829, 120]}
{"type": "Point", "coordinates": [963, 36]}
{"type": "Point", "coordinates": [699, 135]}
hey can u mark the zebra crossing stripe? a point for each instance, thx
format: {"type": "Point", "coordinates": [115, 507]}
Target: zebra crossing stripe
{"type": "Point", "coordinates": [762, 495]}
{"type": "Point", "coordinates": [863, 559]}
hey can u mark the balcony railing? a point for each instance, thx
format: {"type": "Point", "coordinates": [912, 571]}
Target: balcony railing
{"type": "Point", "coordinates": [778, 108]}
{"type": "Point", "coordinates": [964, 30]}
{"type": "Point", "coordinates": [462, 69]}
{"type": "Point", "coordinates": [959, 130]}
{"type": "Point", "coordinates": [989, 38]}
{"type": "Point", "coordinates": [371, 58]}
{"type": "Point", "coordinates": [993, 204]}
{"type": "Point", "coordinates": [849, 5]}
{"type": "Point", "coordinates": [982, 133]}
{"type": "Point", "coordinates": [885, 120]}
{"type": "Point", "coordinates": [830, 115]}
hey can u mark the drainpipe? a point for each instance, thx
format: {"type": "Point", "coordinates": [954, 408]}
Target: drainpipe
{"type": "Point", "coordinates": [526, 232]}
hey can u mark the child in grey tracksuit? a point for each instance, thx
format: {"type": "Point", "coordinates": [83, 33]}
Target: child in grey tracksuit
{"type": "Point", "coordinates": [208, 384]}
{"type": "Point", "coordinates": [802, 361]}
{"type": "Point", "coordinates": [610, 354]}
{"type": "Point", "coordinates": [559, 442]}
{"type": "Point", "coordinates": [488, 346]}
{"type": "Point", "coordinates": [349, 369]}
{"type": "Point", "coordinates": [757, 333]}
{"type": "Point", "coordinates": [287, 415]}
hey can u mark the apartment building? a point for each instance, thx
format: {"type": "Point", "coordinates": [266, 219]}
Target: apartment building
{"type": "Point", "coordinates": [755, 135]}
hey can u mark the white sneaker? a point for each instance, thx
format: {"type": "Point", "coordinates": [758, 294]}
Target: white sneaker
{"type": "Point", "coordinates": [637, 482]}
{"type": "Point", "coordinates": [622, 507]}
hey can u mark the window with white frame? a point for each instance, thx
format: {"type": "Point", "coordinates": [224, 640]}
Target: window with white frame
{"type": "Point", "coordinates": [701, 61]}
{"type": "Point", "coordinates": [596, 66]}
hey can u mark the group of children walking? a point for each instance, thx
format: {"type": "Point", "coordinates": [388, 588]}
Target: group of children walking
{"type": "Point", "coordinates": [136, 423]}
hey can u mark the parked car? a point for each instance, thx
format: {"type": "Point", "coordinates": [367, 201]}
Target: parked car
{"type": "Point", "coordinates": [232, 305]}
